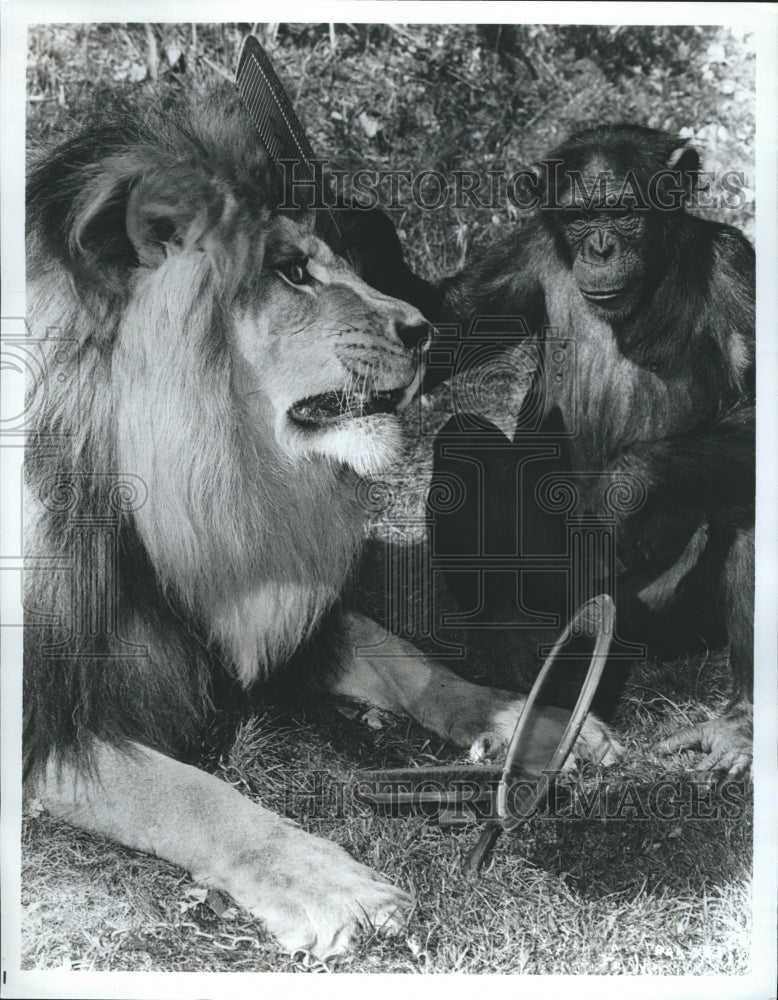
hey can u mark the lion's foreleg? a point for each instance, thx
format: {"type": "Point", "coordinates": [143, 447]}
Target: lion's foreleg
{"type": "Point", "coordinates": [310, 893]}
{"type": "Point", "coordinates": [388, 672]}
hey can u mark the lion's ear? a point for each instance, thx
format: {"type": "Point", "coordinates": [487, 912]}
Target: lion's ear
{"type": "Point", "coordinates": [169, 212]}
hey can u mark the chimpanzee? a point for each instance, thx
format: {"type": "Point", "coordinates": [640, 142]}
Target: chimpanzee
{"type": "Point", "coordinates": [642, 402]}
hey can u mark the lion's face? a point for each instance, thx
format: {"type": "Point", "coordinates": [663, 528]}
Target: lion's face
{"type": "Point", "coordinates": [316, 353]}
{"type": "Point", "coordinates": [321, 353]}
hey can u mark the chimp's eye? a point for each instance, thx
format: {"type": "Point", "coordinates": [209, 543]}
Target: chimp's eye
{"type": "Point", "coordinates": [297, 272]}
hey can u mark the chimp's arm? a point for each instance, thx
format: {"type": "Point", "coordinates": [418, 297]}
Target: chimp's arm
{"type": "Point", "coordinates": [500, 283]}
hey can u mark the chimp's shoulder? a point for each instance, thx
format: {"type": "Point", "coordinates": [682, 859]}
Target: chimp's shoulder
{"type": "Point", "coordinates": [728, 245]}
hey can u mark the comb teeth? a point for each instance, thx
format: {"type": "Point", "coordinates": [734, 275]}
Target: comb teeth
{"type": "Point", "coordinates": [280, 130]}
{"type": "Point", "coordinates": [271, 110]}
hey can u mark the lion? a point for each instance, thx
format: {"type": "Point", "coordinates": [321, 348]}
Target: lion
{"type": "Point", "coordinates": [214, 382]}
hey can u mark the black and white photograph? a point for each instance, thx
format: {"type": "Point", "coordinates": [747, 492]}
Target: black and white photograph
{"type": "Point", "coordinates": [388, 506]}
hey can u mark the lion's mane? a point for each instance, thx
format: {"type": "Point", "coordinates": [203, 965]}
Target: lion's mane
{"type": "Point", "coordinates": [170, 542]}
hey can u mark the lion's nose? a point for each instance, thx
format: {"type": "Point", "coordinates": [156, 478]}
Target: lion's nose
{"type": "Point", "coordinates": [414, 336]}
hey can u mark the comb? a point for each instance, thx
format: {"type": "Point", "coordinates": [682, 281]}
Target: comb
{"type": "Point", "coordinates": [280, 130]}
{"type": "Point", "coordinates": [491, 787]}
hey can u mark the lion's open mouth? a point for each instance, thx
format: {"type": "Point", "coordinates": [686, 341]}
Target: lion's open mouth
{"type": "Point", "coordinates": [333, 407]}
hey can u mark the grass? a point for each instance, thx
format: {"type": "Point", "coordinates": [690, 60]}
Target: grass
{"type": "Point", "coordinates": [624, 896]}
{"type": "Point", "coordinates": [653, 896]}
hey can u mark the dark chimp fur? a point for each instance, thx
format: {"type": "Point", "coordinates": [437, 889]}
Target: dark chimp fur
{"type": "Point", "coordinates": [685, 423]}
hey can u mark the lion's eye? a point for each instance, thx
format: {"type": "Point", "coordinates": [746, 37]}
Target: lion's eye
{"type": "Point", "coordinates": [296, 273]}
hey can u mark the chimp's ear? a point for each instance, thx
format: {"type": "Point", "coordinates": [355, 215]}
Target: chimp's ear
{"type": "Point", "coordinates": [685, 160]}
{"type": "Point", "coordinates": [171, 211]}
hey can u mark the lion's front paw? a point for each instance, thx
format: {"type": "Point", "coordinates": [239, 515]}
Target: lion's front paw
{"type": "Point", "coordinates": [596, 741]}
{"type": "Point", "coordinates": [317, 899]}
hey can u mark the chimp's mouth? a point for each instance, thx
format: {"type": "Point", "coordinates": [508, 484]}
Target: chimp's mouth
{"type": "Point", "coordinates": [330, 408]}
{"type": "Point", "coordinates": [603, 297]}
